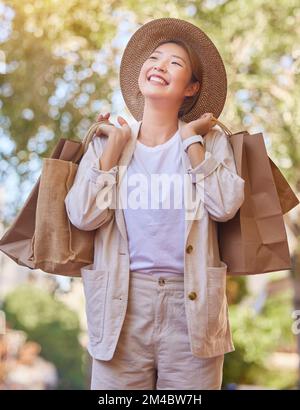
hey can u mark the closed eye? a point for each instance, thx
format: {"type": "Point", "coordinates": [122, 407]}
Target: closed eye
{"type": "Point", "coordinates": [175, 62]}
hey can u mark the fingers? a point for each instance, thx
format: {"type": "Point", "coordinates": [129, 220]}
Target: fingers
{"type": "Point", "coordinates": [102, 117]}
{"type": "Point", "coordinates": [208, 115]}
{"type": "Point", "coordinates": [102, 129]}
{"type": "Point", "coordinates": [209, 118]}
{"type": "Point", "coordinates": [121, 120]}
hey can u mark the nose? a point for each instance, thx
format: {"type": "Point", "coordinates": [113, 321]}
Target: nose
{"type": "Point", "coordinates": [160, 66]}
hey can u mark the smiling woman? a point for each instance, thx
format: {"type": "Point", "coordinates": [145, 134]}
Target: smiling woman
{"type": "Point", "coordinates": [155, 296]}
{"type": "Point", "coordinates": [169, 88]}
{"type": "Point", "coordinates": [185, 57]}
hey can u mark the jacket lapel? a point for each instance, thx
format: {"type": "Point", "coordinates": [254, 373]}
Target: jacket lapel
{"type": "Point", "coordinates": [186, 165]}
{"type": "Point", "coordinates": [123, 164]}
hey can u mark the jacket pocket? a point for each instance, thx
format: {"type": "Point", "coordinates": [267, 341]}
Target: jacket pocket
{"type": "Point", "coordinates": [95, 283]}
{"type": "Point", "coordinates": [216, 300]}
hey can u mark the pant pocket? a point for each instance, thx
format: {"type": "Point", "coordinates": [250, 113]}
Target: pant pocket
{"type": "Point", "coordinates": [95, 289]}
{"type": "Point", "coordinates": [216, 299]}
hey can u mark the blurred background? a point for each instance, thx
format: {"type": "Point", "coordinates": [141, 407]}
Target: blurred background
{"type": "Point", "coordinates": [59, 68]}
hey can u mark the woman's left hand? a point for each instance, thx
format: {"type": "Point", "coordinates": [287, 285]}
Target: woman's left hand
{"type": "Point", "coordinates": [200, 126]}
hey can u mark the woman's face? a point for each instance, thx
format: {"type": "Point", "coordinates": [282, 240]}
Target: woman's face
{"type": "Point", "coordinates": [172, 63]}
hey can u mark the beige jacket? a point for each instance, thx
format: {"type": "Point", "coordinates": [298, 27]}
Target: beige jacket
{"type": "Point", "coordinates": [219, 193]}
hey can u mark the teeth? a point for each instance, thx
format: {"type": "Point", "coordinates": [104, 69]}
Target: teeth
{"type": "Point", "coordinates": [159, 80]}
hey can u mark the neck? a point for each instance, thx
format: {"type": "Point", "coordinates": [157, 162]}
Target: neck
{"type": "Point", "coordinates": [158, 126]}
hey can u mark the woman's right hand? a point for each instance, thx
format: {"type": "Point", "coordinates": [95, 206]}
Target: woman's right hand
{"type": "Point", "coordinates": [119, 135]}
{"type": "Point", "coordinates": [117, 140]}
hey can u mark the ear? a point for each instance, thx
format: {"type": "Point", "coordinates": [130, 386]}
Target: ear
{"type": "Point", "coordinates": [192, 89]}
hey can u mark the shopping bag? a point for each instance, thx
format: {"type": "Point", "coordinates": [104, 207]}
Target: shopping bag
{"type": "Point", "coordinates": [41, 236]}
{"type": "Point", "coordinates": [254, 241]}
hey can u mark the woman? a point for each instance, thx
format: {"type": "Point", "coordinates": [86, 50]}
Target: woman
{"type": "Point", "coordinates": [155, 296]}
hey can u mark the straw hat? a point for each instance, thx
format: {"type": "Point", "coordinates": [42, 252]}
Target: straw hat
{"type": "Point", "coordinates": [213, 82]}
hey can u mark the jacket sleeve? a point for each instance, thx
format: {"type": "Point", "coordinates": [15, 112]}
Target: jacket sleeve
{"type": "Point", "coordinates": [84, 202]}
{"type": "Point", "coordinates": [218, 185]}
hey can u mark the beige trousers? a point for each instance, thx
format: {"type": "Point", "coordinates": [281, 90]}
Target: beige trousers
{"type": "Point", "coordinates": [153, 350]}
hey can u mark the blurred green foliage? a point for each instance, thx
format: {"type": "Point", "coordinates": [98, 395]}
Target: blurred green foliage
{"type": "Point", "coordinates": [54, 326]}
{"type": "Point", "coordinates": [236, 288]}
{"type": "Point", "coordinates": [256, 335]}
{"type": "Point", "coordinates": [63, 68]}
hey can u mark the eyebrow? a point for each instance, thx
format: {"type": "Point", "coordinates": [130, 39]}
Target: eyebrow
{"type": "Point", "coordinates": [173, 55]}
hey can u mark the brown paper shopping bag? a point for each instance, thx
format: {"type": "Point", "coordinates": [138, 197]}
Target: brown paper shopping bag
{"type": "Point", "coordinates": [41, 235]}
{"type": "Point", "coordinates": [254, 241]}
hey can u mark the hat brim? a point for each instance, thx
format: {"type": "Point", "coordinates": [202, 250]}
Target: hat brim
{"type": "Point", "coordinates": [213, 90]}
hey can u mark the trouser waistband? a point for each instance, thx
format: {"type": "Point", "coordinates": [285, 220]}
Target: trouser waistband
{"type": "Point", "coordinates": [174, 281]}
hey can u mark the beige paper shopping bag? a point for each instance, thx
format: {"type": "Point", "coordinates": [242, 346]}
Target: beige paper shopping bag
{"type": "Point", "coordinates": [41, 235]}
{"type": "Point", "coordinates": [254, 241]}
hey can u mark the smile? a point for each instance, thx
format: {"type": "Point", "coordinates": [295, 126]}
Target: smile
{"type": "Point", "coordinates": [157, 81]}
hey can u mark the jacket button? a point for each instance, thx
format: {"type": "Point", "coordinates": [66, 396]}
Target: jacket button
{"type": "Point", "coordinates": [189, 249]}
{"type": "Point", "coordinates": [192, 295]}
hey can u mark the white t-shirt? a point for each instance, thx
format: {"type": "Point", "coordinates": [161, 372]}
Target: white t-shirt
{"type": "Point", "coordinates": [155, 236]}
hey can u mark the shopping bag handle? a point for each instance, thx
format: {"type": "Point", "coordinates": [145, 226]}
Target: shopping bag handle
{"type": "Point", "coordinates": [91, 131]}
{"type": "Point", "coordinates": [223, 126]}
{"type": "Point", "coordinates": [86, 140]}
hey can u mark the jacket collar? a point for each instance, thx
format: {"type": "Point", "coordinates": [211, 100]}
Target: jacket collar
{"type": "Point", "coordinates": [130, 147]}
